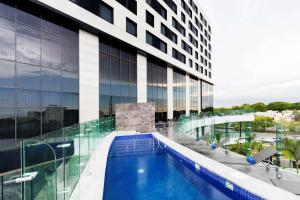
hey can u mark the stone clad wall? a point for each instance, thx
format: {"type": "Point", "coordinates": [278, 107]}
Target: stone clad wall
{"type": "Point", "coordinates": [138, 117]}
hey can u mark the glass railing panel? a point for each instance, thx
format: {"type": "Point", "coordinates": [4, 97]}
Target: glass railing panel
{"type": "Point", "coordinates": [9, 188]}
{"type": "Point", "coordinates": [71, 159]}
{"type": "Point", "coordinates": [38, 170]}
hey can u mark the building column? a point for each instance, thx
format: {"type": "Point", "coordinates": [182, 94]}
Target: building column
{"type": "Point", "coordinates": [170, 92]}
{"type": "Point", "coordinates": [187, 95]}
{"type": "Point", "coordinates": [199, 96]}
{"type": "Point", "coordinates": [88, 76]}
{"type": "Point", "coordinates": [141, 78]}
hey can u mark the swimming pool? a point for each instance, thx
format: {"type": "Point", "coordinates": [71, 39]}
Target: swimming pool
{"type": "Point", "coordinates": [142, 167]}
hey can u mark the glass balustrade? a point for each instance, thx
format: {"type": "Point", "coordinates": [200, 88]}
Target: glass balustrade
{"type": "Point", "coordinates": [50, 168]}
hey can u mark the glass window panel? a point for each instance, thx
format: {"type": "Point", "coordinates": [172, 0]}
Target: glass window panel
{"type": "Point", "coordinates": [28, 19]}
{"type": "Point", "coordinates": [7, 124]}
{"type": "Point", "coordinates": [7, 73]}
{"type": "Point", "coordinates": [70, 116]}
{"type": "Point", "coordinates": [28, 76]}
{"type": "Point", "coordinates": [125, 53]}
{"type": "Point", "coordinates": [133, 90]}
{"type": "Point", "coordinates": [70, 82]}
{"type": "Point", "coordinates": [104, 111]}
{"type": "Point", "coordinates": [115, 76]}
{"type": "Point", "coordinates": [51, 79]}
{"type": "Point", "coordinates": [51, 99]}
{"type": "Point", "coordinates": [106, 12]}
{"type": "Point", "coordinates": [70, 100]}
{"type": "Point", "coordinates": [105, 101]}
{"type": "Point", "coordinates": [7, 39]}
{"type": "Point", "coordinates": [51, 27]}
{"type": "Point", "coordinates": [28, 45]}
{"type": "Point", "coordinates": [115, 48]}
{"type": "Point", "coordinates": [70, 55]}
{"type": "Point", "coordinates": [51, 121]}
{"type": "Point", "coordinates": [132, 72]}
{"type": "Point", "coordinates": [51, 55]}
{"type": "Point", "coordinates": [7, 12]}
{"type": "Point", "coordinates": [104, 66]}
{"type": "Point", "coordinates": [28, 123]}
{"type": "Point", "coordinates": [28, 98]}
{"type": "Point", "coordinates": [131, 27]}
{"type": "Point", "coordinates": [124, 71]}
{"type": "Point", "coordinates": [7, 97]}
{"type": "Point", "coordinates": [104, 45]}
{"type": "Point", "coordinates": [104, 87]}
{"type": "Point", "coordinates": [115, 68]}
{"type": "Point", "coordinates": [133, 56]}
{"type": "Point", "coordinates": [115, 100]}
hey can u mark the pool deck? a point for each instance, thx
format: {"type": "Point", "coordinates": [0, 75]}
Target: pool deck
{"type": "Point", "coordinates": [289, 181]}
{"type": "Point", "coordinates": [91, 183]}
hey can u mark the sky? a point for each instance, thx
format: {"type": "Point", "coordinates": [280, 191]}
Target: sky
{"type": "Point", "coordinates": [256, 50]}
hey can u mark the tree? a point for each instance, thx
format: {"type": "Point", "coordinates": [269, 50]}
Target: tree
{"type": "Point", "coordinates": [279, 106]}
{"type": "Point", "coordinates": [260, 107]}
{"type": "Point", "coordinates": [296, 106]}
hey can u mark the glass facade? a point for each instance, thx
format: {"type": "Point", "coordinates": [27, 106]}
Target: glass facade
{"type": "Point", "coordinates": [194, 93]}
{"type": "Point", "coordinates": [157, 87]}
{"type": "Point", "coordinates": [207, 96]}
{"type": "Point", "coordinates": [118, 75]}
{"type": "Point", "coordinates": [179, 92]}
{"type": "Point", "coordinates": [38, 77]}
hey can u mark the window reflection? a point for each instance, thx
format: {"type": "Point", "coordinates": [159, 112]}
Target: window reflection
{"type": "Point", "coordinates": [7, 73]}
{"type": "Point", "coordinates": [117, 72]}
{"type": "Point", "coordinates": [179, 93]}
{"type": "Point", "coordinates": [28, 45]}
{"type": "Point", "coordinates": [28, 123]}
{"type": "Point", "coordinates": [7, 39]}
{"type": "Point", "coordinates": [32, 99]}
{"type": "Point", "coordinates": [28, 76]}
{"type": "Point", "coordinates": [157, 87]}
{"type": "Point", "coordinates": [51, 54]}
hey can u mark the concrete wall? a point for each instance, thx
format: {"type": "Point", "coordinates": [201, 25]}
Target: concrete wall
{"type": "Point", "coordinates": [187, 95]}
{"type": "Point", "coordinates": [170, 92]}
{"type": "Point", "coordinates": [138, 117]}
{"type": "Point", "coordinates": [141, 78]}
{"type": "Point", "coordinates": [88, 76]}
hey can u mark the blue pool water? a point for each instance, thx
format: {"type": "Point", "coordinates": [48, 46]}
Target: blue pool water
{"type": "Point", "coordinates": [140, 169]}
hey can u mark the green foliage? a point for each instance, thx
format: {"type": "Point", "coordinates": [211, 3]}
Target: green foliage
{"type": "Point", "coordinates": [262, 122]}
{"type": "Point", "coordinates": [246, 148]}
{"type": "Point", "coordinates": [279, 106]}
{"type": "Point", "coordinates": [292, 149]}
{"type": "Point", "coordinates": [261, 107]}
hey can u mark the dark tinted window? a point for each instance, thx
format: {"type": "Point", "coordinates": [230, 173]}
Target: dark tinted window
{"type": "Point", "coordinates": [168, 33]}
{"type": "Point", "coordinates": [171, 5]}
{"type": "Point", "coordinates": [106, 12]}
{"type": "Point", "coordinates": [129, 4]}
{"type": "Point", "coordinates": [183, 17]}
{"type": "Point", "coordinates": [178, 26]}
{"type": "Point", "coordinates": [51, 52]}
{"type": "Point", "coordinates": [156, 42]}
{"type": "Point", "coordinates": [158, 8]}
{"type": "Point", "coordinates": [131, 27]}
{"type": "Point", "coordinates": [178, 56]}
{"type": "Point", "coordinates": [149, 18]}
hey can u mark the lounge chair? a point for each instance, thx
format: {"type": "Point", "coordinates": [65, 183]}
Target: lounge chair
{"type": "Point", "coordinates": [261, 156]}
